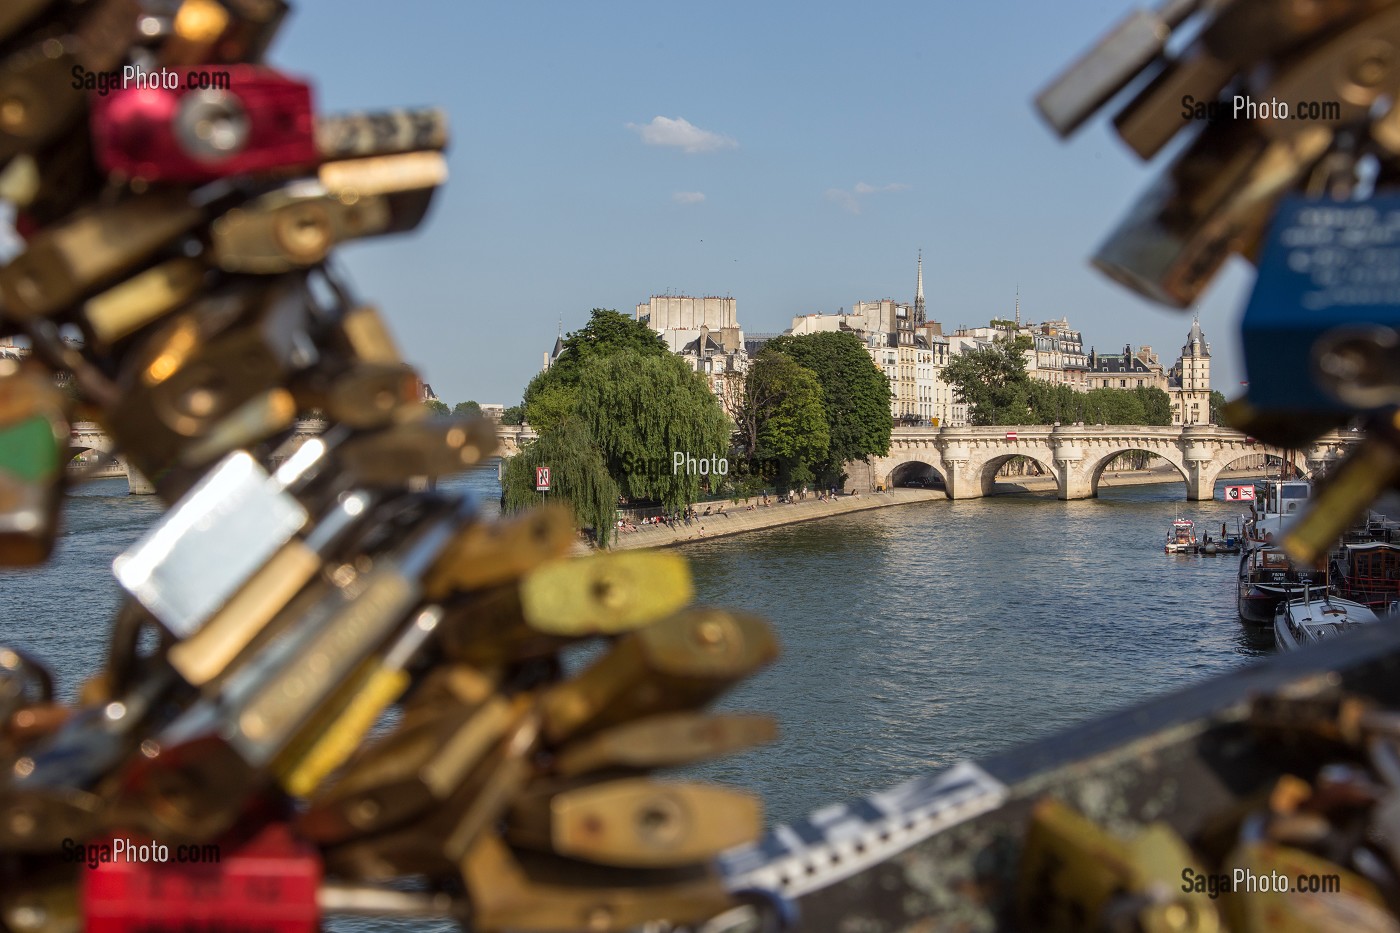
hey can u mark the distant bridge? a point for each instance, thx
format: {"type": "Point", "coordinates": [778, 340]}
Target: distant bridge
{"type": "Point", "coordinates": [967, 459]}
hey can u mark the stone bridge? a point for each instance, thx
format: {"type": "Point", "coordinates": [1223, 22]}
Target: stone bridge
{"type": "Point", "coordinates": [967, 459]}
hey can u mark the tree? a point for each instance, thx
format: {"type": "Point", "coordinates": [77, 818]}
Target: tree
{"type": "Point", "coordinates": [515, 414]}
{"type": "Point", "coordinates": [855, 396]}
{"type": "Point", "coordinates": [578, 476]}
{"type": "Point", "coordinates": [471, 409]}
{"type": "Point", "coordinates": [783, 421]}
{"type": "Point", "coordinates": [992, 381]}
{"type": "Point", "coordinates": [1156, 406]}
{"type": "Point", "coordinates": [642, 410]}
{"type": "Point", "coordinates": [436, 407]}
{"type": "Point", "coordinates": [1217, 407]}
{"type": "Point", "coordinates": [550, 395]}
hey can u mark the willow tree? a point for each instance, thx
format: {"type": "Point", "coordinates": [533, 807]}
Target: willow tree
{"type": "Point", "coordinates": [578, 476]}
{"type": "Point", "coordinates": [644, 411]}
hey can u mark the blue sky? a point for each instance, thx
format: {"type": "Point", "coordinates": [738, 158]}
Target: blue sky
{"type": "Point", "coordinates": [830, 142]}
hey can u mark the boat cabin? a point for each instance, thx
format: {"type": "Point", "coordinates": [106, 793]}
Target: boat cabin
{"type": "Point", "coordinates": [1284, 497]}
{"type": "Point", "coordinates": [1368, 572]}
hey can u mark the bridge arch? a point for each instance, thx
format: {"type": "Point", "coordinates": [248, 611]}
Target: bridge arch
{"type": "Point", "coordinates": [1094, 469]}
{"type": "Point", "coordinates": [987, 475]}
{"type": "Point", "coordinates": [906, 470]}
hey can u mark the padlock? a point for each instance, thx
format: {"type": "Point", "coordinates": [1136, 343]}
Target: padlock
{"type": "Point", "coordinates": [212, 649]}
{"type": "Point", "coordinates": [72, 259]}
{"type": "Point", "coordinates": [195, 371]}
{"type": "Point", "coordinates": [432, 448]}
{"type": "Point", "coordinates": [664, 742]}
{"type": "Point", "coordinates": [634, 822]}
{"type": "Point", "coordinates": [208, 545]}
{"type": "Point", "coordinates": [1103, 71]}
{"type": "Point", "coordinates": [439, 837]}
{"type": "Point", "coordinates": [487, 554]}
{"type": "Point", "coordinates": [679, 663]}
{"type": "Point", "coordinates": [1266, 893]}
{"type": "Point", "coordinates": [602, 594]}
{"type": "Point", "coordinates": [24, 682]}
{"type": "Point", "coordinates": [1215, 200]}
{"type": "Point", "coordinates": [440, 741]}
{"type": "Point", "coordinates": [261, 123]}
{"type": "Point", "coordinates": [368, 337]}
{"type": "Point", "coordinates": [1159, 111]}
{"type": "Point", "coordinates": [356, 135]}
{"type": "Point", "coordinates": [367, 395]}
{"type": "Point", "coordinates": [33, 451]}
{"type": "Point", "coordinates": [252, 422]}
{"type": "Point", "coordinates": [513, 893]}
{"type": "Point", "coordinates": [141, 300]}
{"type": "Point", "coordinates": [365, 695]}
{"type": "Point", "coordinates": [296, 226]}
{"type": "Point", "coordinates": [1076, 876]}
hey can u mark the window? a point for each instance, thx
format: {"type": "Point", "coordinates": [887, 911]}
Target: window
{"type": "Point", "coordinates": [1139, 385]}
{"type": "Point", "coordinates": [1122, 383]}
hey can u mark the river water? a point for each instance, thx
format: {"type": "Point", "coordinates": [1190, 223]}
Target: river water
{"type": "Point", "coordinates": [912, 636]}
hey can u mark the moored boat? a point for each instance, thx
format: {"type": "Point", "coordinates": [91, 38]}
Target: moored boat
{"type": "Point", "coordinates": [1316, 617]}
{"type": "Point", "coordinates": [1267, 578]}
{"type": "Point", "coordinates": [1182, 537]}
{"type": "Point", "coordinates": [1367, 572]}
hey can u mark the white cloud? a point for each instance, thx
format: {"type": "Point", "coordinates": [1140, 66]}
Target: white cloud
{"type": "Point", "coordinates": [681, 134]}
{"type": "Point", "coordinates": [851, 200]}
{"type": "Point", "coordinates": [688, 197]}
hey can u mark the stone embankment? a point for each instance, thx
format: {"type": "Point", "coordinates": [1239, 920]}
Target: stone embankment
{"type": "Point", "coordinates": [737, 519]}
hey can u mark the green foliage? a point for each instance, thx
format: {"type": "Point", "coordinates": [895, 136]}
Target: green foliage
{"type": "Point", "coordinates": [1217, 406]}
{"type": "Point", "coordinates": [642, 409]}
{"type": "Point", "coordinates": [783, 421]}
{"type": "Point", "coordinates": [549, 398]}
{"type": "Point", "coordinates": [549, 401]}
{"type": "Point", "coordinates": [992, 381]}
{"type": "Point", "coordinates": [515, 414]}
{"type": "Point", "coordinates": [855, 395]}
{"type": "Point", "coordinates": [1060, 403]}
{"type": "Point", "coordinates": [471, 409]}
{"type": "Point", "coordinates": [578, 475]}
{"type": "Point", "coordinates": [436, 407]}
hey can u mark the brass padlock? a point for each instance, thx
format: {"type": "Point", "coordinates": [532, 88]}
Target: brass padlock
{"type": "Point", "coordinates": [68, 261]}
{"type": "Point", "coordinates": [679, 663]}
{"type": "Point", "coordinates": [635, 822]}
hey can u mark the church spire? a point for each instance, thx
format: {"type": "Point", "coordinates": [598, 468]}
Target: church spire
{"type": "Point", "coordinates": [920, 311]}
{"type": "Point", "coordinates": [1018, 306]}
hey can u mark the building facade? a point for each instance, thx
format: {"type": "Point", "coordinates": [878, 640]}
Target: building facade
{"type": "Point", "coordinates": [1188, 383]}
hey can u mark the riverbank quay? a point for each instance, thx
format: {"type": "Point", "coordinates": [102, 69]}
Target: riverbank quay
{"type": "Point", "coordinates": [737, 519]}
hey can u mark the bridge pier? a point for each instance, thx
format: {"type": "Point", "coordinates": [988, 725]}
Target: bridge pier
{"type": "Point", "coordinates": [960, 482]}
{"type": "Point", "coordinates": [136, 484]}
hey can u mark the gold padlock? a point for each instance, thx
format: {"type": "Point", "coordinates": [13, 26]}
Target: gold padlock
{"type": "Point", "coordinates": [679, 663]}
{"type": "Point", "coordinates": [635, 822]}
{"type": "Point", "coordinates": [68, 261]}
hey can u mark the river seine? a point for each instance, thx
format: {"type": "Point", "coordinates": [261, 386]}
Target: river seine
{"type": "Point", "coordinates": [912, 636]}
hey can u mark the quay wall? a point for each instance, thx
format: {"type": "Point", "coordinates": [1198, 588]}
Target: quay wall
{"type": "Point", "coordinates": [737, 519]}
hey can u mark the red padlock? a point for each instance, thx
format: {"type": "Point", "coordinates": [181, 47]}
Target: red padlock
{"type": "Point", "coordinates": [236, 120]}
{"type": "Point", "coordinates": [134, 885]}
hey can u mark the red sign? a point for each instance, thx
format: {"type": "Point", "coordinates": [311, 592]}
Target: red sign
{"type": "Point", "coordinates": [1010, 435]}
{"type": "Point", "coordinates": [1236, 493]}
{"type": "Point", "coordinates": [541, 479]}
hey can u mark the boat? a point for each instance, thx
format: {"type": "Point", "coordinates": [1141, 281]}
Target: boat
{"type": "Point", "coordinates": [1367, 572]}
{"type": "Point", "coordinates": [1182, 538]}
{"type": "Point", "coordinates": [1273, 508]}
{"type": "Point", "coordinates": [1317, 617]}
{"type": "Point", "coordinates": [1267, 578]}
